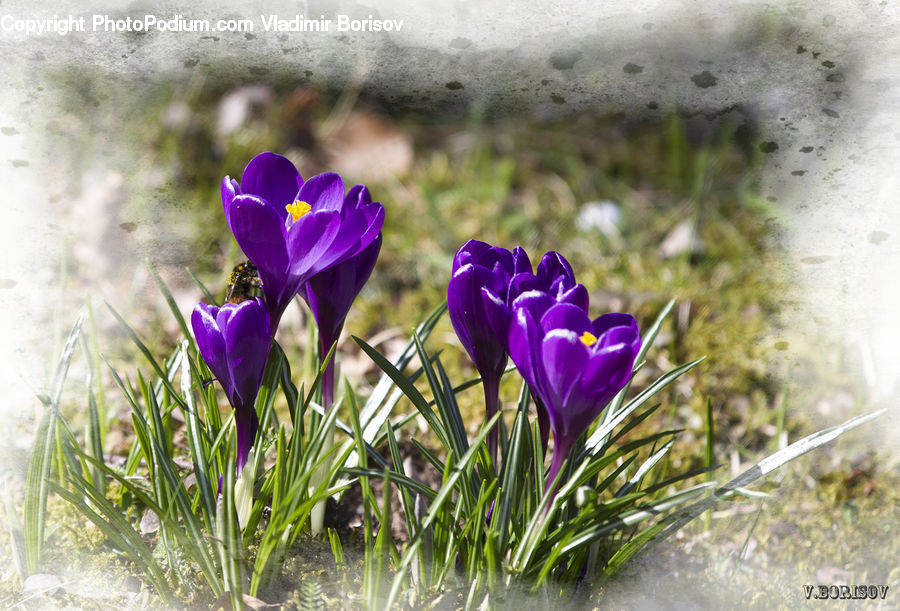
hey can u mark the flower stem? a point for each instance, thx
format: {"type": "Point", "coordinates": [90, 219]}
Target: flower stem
{"type": "Point", "coordinates": [561, 449]}
{"type": "Point", "coordinates": [491, 404]}
{"type": "Point", "coordinates": [543, 419]}
{"type": "Point", "coordinates": [328, 374]}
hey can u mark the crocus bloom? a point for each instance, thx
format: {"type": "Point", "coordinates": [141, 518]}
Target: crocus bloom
{"type": "Point", "coordinates": [291, 229]}
{"type": "Point", "coordinates": [554, 277]}
{"type": "Point", "coordinates": [331, 292]}
{"type": "Point", "coordinates": [574, 365]}
{"type": "Point", "coordinates": [480, 267]}
{"type": "Point", "coordinates": [234, 341]}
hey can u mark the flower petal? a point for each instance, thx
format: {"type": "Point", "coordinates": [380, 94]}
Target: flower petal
{"type": "Point", "coordinates": [259, 231]}
{"type": "Point", "coordinates": [566, 316]}
{"type": "Point", "coordinates": [470, 320]}
{"type": "Point", "coordinates": [229, 189]}
{"type": "Point", "coordinates": [272, 178]}
{"type": "Point", "coordinates": [536, 302]}
{"type": "Point", "coordinates": [525, 350]}
{"type": "Point", "coordinates": [247, 337]}
{"type": "Point", "coordinates": [521, 263]}
{"type": "Point", "coordinates": [470, 252]}
{"type": "Point", "coordinates": [555, 273]}
{"type": "Point", "coordinates": [211, 342]}
{"type": "Point", "coordinates": [308, 240]}
{"type": "Point", "coordinates": [564, 357]}
{"type": "Point", "coordinates": [603, 324]}
{"type": "Point", "coordinates": [577, 296]}
{"type": "Point", "coordinates": [330, 293]}
{"type": "Point", "coordinates": [607, 372]}
{"type": "Point", "coordinates": [323, 192]}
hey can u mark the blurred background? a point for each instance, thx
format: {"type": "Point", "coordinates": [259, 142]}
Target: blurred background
{"type": "Point", "coordinates": [740, 160]}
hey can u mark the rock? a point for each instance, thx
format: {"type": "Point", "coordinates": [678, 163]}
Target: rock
{"type": "Point", "coordinates": [368, 147]}
{"type": "Point", "coordinates": [237, 107]}
{"type": "Point", "coordinates": [683, 239]}
{"type": "Point", "coordinates": [604, 216]}
{"type": "Point", "coordinates": [149, 522]}
{"type": "Point", "coordinates": [42, 583]}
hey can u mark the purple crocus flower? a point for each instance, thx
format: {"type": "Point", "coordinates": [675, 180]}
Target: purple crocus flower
{"type": "Point", "coordinates": [234, 341]}
{"type": "Point", "coordinates": [574, 365]}
{"type": "Point", "coordinates": [554, 277]}
{"type": "Point", "coordinates": [291, 229]}
{"type": "Point", "coordinates": [479, 268]}
{"type": "Point", "coordinates": [331, 292]}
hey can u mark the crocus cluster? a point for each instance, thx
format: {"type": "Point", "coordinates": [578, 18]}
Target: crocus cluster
{"type": "Point", "coordinates": [291, 229]}
{"type": "Point", "coordinates": [573, 365]}
{"type": "Point", "coordinates": [304, 237]}
{"type": "Point", "coordinates": [482, 273]}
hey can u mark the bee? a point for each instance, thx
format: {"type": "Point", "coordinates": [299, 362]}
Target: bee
{"type": "Point", "coordinates": [243, 283]}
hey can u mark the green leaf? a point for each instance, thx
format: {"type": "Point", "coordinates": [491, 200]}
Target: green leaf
{"type": "Point", "coordinates": [167, 294]}
{"type": "Point", "coordinates": [408, 389]}
{"type": "Point", "coordinates": [38, 479]}
{"type": "Point", "coordinates": [763, 467]}
{"type": "Point", "coordinates": [206, 294]}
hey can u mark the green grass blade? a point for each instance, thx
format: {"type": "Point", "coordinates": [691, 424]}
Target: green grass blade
{"type": "Point", "coordinates": [38, 478]}
{"type": "Point", "coordinates": [167, 295]}
{"type": "Point", "coordinates": [512, 470]}
{"type": "Point", "coordinates": [122, 535]}
{"type": "Point", "coordinates": [408, 389]}
{"type": "Point", "coordinates": [370, 415]}
{"type": "Point", "coordinates": [763, 467]}
{"type": "Point", "coordinates": [196, 438]}
{"type": "Point", "coordinates": [624, 553]}
{"type": "Point", "coordinates": [598, 438]}
{"type": "Point", "coordinates": [206, 294]}
{"type": "Point", "coordinates": [447, 408]}
{"type": "Point", "coordinates": [164, 376]}
{"type": "Point", "coordinates": [444, 494]}
{"type": "Point", "coordinates": [229, 537]}
{"type": "Point", "coordinates": [648, 464]}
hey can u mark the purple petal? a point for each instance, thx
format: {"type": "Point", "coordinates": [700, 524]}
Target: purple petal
{"type": "Point", "coordinates": [259, 232]}
{"type": "Point", "coordinates": [272, 178]}
{"type": "Point", "coordinates": [577, 296]}
{"type": "Point", "coordinates": [374, 214]}
{"type": "Point", "coordinates": [566, 316]}
{"type": "Point", "coordinates": [357, 197]}
{"type": "Point", "coordinates": [555, 273]}
{"type": "Point", "coordinates": [564, 358]}
{"type": "Point", "coordinates": [330, 293]}
{"type": "Point", "coordinates": [211, 342]}
{"type": "Point", "coordinates": [525, 338]}
{"type": "Point", "coordinates": [619, 336]}
{"type": "Point", "coordinates": [469, 319]}
{"type": "Point", "coordinates": [605, 323]}
{"type": "Point", "coordinates": [308, 240]}
{"type": "Point", "coordinates": [536, 302]}
{"type": "Point", "coordinates": [607, 372]}
{"type": "Point", "coordinates": [521, 283]}
{"type": "Point", "coordinates": [247, 345]}
{"type": "Point", "coordinates": [521, 263]}
{"type": "Point", "coordinates": [323, 192]}
{"type": "Point", "coordinates": [470, 252]}
{"type": "Point", "coordinates": [229, 189]}
{"type": "Point", "coordinates": [498, 314]}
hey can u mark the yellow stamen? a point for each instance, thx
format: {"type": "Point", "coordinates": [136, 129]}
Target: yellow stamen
{"type": "Point", "coordinates": [298, 209]}
{"type": "Point", "coordinates": [588, 338]}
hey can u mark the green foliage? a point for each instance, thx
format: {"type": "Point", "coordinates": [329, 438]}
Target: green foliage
{"type": "Point", "coordinates": [502, 528]}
